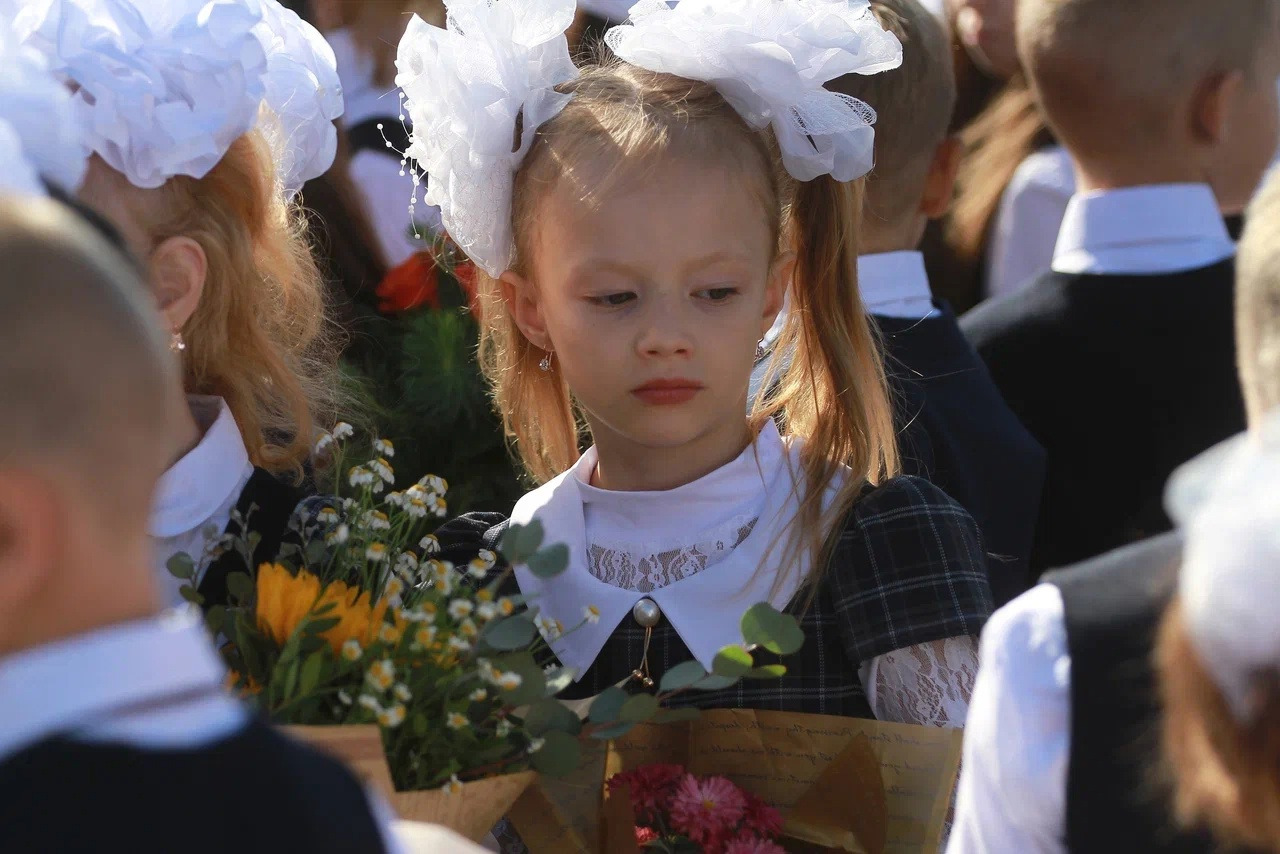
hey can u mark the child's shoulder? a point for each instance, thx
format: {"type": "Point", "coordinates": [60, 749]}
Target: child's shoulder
{"type": "Point", "coordinates": [462, 537]}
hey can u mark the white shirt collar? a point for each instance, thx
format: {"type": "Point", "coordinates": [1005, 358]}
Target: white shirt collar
{"type": "Point", "coordinates": [895, 284]}
{"type": "Point", "coordinates": [1163, 228]}
{"type": "Point", "coordinates": [193, 489]}
{"type": "Point", "coordinates": [705, 608]}
{"type": "Point", "coordinates": [76, 684]}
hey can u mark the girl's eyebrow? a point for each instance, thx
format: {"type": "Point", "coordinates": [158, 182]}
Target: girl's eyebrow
{"type": "Point", "coordinates": [609, 265]}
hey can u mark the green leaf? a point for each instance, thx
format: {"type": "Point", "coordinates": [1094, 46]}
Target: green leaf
{"type": "Point", "coordinates": [732, 662]}
{"type": "Point", "coordinates": [189, 593]}
{"type": "Point", "coordinates": [616, 731]}
{"type": "Point", "coordinates": [314, 553]}
{"type": "Point", "coordinates": [216, 618]}
{"type": "Point", "coordinates": [520, 542]}
{"type": "Point", "coordinates": [322, 625]}
{"type": "Point", "coordinates": [551, 715]}
{"type": "Point", "coordinates": [638, 709]}
{"type": "Point", "coordinates": [559, 755]}
{"type": "Point", "coordinates": [763, 625]}
{"type": "Point", "coordinates": [309, 678]}
{"type": "Point", "coordinates": [533, 681]}
{"type": "Point", "coordinates": [714, 683]}
{"type": "Point", "coordinates": [605, 707]}
{"type": "Point", "coordinates": [559, 679]}
{"type": "Point", "coordinates": [240, 585]}
{"type": "Point", "coordinates": [181, 566]}
{"type": "Point", "coordinates": [549, 562]}
{"type": "Point", "coordinates": [670, 716]}
{"type": "Point", "coordinates": [768, 671]}
{"type": "Point", "coordinates": [683, 675]}
{"type": "Point", "coordinates": [509, 633]}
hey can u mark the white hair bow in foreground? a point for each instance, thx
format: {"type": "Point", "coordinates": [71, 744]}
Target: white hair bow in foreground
{"type": "Point", "coordinates": [770, 59]}
{"type": "Point", "coordinates": [466, 87]}
{"type": "Point", "coordinates": [1227, 502]}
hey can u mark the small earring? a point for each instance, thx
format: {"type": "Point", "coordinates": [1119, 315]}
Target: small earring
{"type": "Point", "coordinates": [176, 344]}
{"type": "Point", "coordinates": [545, 364]}
{"type": "Point", "coordinates": [761, 350]}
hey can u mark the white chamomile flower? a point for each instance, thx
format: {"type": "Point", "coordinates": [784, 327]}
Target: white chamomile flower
{"type": "Point", "coordinates": [392, 717]}
{"type": "Point", "coordinates": [477, 570]}
{"type": "Point", "coordinates": [487, 611]}
{"type": "Point", "coordinates": [360, 476]}
{"type": "Point", "coordinates": [425, 636]}
{"type": "Point", "coordinates": [389, 634]}
{"type": "Point", "coordinates": [438, 505]}
{"type": "Point", "coordinates": [344, 698]}
{"type": "Point", "coordinates": [591, 614]}
{"type": "Point", "coordinates": [376, 520]}
{"type": "Point", "coordinates": [488, 558]}
{"type": "Point", "coordinates": [382, 674]}
{"type": "Point", "coordinates": [343, 430]}
{"type": "Point", "coordinates": [407, 561]}
{"type": "Point", "coordinates": [370, 702]}
{"type": "Point", "coordinates": [338, 535]}
{"type": "Point", "coordinates": [453, 786]}
{"type": "Point", "coordinates": [328, 516]}
{"type": "Point", "coordinates": [402, 692]}
{"type": "Point", "coordinates": [430, 544]}
{"type": "Point", "coordinates": [535, 744]}
{"type": "Point", "coordinates": [383, 469]}
{"type": "Point", "coordinates": [506, 607]}
{"type": "Point", "coordinates": [393, 589]}
{"type": "Point", "coordinates": [456, 720]}
{"type": "Point", "coordinates": [460, 608]}
{"type": "Point", "coordinates": [395, 499]}
{"type": "Point", "coordinates": [479, 695]}
{"type": "Point", "coordinates": [376, 552]}
{"type": "Point", "coordinates": [416, 508]}
{"type": "Point", "coordinates": [503, 729]}
{"type": "Point", "coordinates": [323, 442]}
{"type": "Point", "coordinates": [509, 681]}
{"type": "Point", "coordinates": [468, 629]}
{"type": "Point", "coordinates": [459, 644]}
{"type": "Point", "coordinates": [351, 650]}
{"type": "Point", "coordinates": [550, 628]}
{"type": "Point", "coordinates": [384, 448]}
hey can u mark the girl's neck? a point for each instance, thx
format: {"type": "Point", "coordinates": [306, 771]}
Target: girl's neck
{"type": "Point", "coordinates": [624, 466]}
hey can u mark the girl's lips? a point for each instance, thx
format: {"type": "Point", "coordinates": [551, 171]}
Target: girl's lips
{"type": "Point", "coordinates": [667, 392]}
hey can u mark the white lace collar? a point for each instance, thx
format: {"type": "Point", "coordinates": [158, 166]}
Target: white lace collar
{"type": "Point", "coordinates": [194, 487]}
{"type": "Point", "coordinates": [705, 608]}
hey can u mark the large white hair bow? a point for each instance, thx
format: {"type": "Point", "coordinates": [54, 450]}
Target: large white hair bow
{"type": "Point", "coordinates": [40, 137]}
{"type": "Point", "coordinates": [1227, 502]}
{"type": "Point", "coordinates": [770, 59]}
{"type": "Point", "coordinates": [166, 86]}
{"type": "Point", "coordinates": [466, 87]}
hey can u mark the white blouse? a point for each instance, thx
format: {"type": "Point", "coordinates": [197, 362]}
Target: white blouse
{"type": "Point", "coordinates": [195, 497]}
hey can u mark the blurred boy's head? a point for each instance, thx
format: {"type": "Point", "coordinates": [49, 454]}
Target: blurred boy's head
{"type": "Point", "coordinates": [916, 160]}
{"type": "Point", "coordinates": [1158, 91]}
{"type": "Point", "coordinates": [1258, 302]}
{"type": "Point", "coordinates": [90, 398]}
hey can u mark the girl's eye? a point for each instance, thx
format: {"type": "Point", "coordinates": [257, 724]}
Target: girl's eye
{"type": "Point", "coordinates": [717, 294]}
{"type": "Point", "coordinates": [614, 300]}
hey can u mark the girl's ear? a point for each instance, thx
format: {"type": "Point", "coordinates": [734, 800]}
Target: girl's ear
{"type": "Point", "coordinates": [1212, 106]}
{"type": "Point", "coordinates": [526, 308]}
{"type": "Point", "coordinates": [177, 269]}
{"type": "Point", "coordinates": [775, 297]}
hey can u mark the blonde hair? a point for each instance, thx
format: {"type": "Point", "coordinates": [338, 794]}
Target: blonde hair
{"type": "Point", "coordinates": [913, 104]}
{"type": "Point", "coordinates": [1225, 773]}
{"type": "Point", "coordinates": [1258, 301]}
{"type": "Point", "coordinates": [1108, 73]}
{"type": "Point", "coordinates": [260, 337]}
{"type": "Point", "coordinates": [833, 395]}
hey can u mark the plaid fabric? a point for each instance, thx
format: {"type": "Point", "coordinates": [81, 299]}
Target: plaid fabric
{"type": "Point", "coordinates": [908, 569]}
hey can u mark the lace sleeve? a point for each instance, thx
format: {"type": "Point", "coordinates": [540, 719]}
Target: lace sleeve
{"type": "Point", "coordinates": [928, 684]}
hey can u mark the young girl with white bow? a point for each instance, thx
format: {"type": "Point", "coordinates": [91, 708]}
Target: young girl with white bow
{"type": "Point", "coordinates": [639, 222]}
{"type": "Point", "coordinates": [204, 118]}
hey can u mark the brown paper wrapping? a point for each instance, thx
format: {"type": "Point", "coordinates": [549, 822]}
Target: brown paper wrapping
{"type": "Point", "coordinates": [472, 813]}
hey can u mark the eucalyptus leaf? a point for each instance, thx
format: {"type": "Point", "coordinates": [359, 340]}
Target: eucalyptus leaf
{"type": "Point", "coordinates": [550, 715]}
{"type": "Point", "coordinates": [314, 553]}
{"type": "Point", "coordinates": [714, 683]}
{"type": "Point", "coordinates": [559, 755]}
{"type": "Point", "coordinates": [240, 585]}
{"type": "Point", "coordinates": [763, 625]}
{"type": "Point", "coordinates": [533, 681]}
{"type": "Point", "coordinates": [638, 708]}
{"type": "Point", "coordinates": [549, 562]}
{"type": "Point", "coordinates": [509, 633]}
{"type": "Point", "coordinates": [615, 731]}
{"type": "Point", "coordinates": [732, 662]}
{"type": "Point", "coordinates": [683, 675]}
{"type": "Point", "coordinates": [215, 618]}
{"type": "Point", "coordinates": [767, 671]}
{"type": "Point", "coordinates": [605, 707]}
{"type": "Point", "coordinates": [520, 542]}
{"type": "Point", "coordinates": [670, 716]}
{"type": "Point", "coordinates": [189, 593]}
{"type": "Point", "coordinates": [181, 566]}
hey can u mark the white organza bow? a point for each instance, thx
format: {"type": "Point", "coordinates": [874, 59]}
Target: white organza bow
{"type": "Point", "coordinates": [465, 87]}
{"type": "Point", "coordinates": [770, 59]}
{"type": "Point", "coordinates": [39, 134]}
{"type": "Point", "coordinates": [1227, 502]}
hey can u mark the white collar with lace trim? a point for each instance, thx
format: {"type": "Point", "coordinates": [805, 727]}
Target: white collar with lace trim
{"type": "Point", "coordinates": [196, 486]}
{"type": "Point", "coordinates": [705, 608]}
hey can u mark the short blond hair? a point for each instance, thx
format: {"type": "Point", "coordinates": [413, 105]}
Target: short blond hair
{"type": "Point", "coordinates": [1258, 301]}
{"type": "Point", "coordinates": [1107, 72]}
{"type": "Point", "coordinates": [913, 103]}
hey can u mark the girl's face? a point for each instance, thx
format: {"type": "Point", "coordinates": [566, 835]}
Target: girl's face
{"type": "Point", "coordinates": [986, 29]}
{"type": "Point", "coordinates": [653, 302]}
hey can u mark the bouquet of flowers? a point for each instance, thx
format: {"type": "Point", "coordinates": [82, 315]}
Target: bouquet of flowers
{"type": "Point", "coordinates": [678, 812]}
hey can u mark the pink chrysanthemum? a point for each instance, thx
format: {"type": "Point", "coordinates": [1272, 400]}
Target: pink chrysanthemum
{"type": "Point", "coordinates": [752, 845]}
{"type": "Point", "coordinates": [708, 809]}
{"type": "Point", "coordinates": [651, 787]}
{"type": "Point", "coordinates": [760, 819]}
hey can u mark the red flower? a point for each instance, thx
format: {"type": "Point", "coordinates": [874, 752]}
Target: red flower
{"type": "Point", "coordinates": [651, 787]}
{"type": "Point", "coordinates": [645, 835]}
{"type": "Point", "coordinates": [760, 819]}
{"type": "Point", "coordinates": [411, 285]}
{"type": "Point", "coordinates": [706, 810]}
{"type": "Point", "coordinates": [746, 844]}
